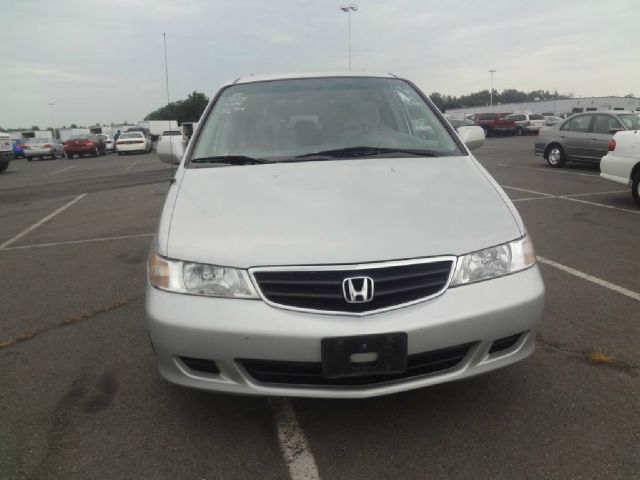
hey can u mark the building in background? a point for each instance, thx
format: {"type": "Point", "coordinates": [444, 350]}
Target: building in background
{"type": "Point", "coordinates": [555, 107]}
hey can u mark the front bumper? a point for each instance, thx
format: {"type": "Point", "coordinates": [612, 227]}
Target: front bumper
{"type": "Point", "coordinates": [225, 330]}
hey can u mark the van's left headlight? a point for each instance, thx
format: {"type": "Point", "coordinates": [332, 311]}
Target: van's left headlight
{"type": "Point", "coordinates": [494, 262]}
{"type": "Point", "coordinates": [199, 279]}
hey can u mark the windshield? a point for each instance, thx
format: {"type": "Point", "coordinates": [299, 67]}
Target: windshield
{"type": "Point", "coordinates": [631, 121]}
{"type": "Point", "coordinates": [131, 135]}
{"type": "Point", "coordinates": [282, 120]}
{"type": "Point", "coordinates": [78, 137]}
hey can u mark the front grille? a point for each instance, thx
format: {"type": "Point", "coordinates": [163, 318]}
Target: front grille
{"type": "Point", "coordinates": [201, 365]}
{"type": "Point", "coordinates": [310, 373]}
{"type": "Point", "coordinates": [320, 288]}
{"type": "Point", "coordinates": [504, 343]}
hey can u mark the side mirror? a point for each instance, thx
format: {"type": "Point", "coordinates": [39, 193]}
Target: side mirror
{"type": "Point", "coordinates": [613, 131]}
{"type": "Point", "coordinates": [170, 149]}
{"type": "Point", "coordinates": [472, 137]}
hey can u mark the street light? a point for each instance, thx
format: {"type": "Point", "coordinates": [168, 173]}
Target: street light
{"type": "Point", "coordinates": [491, 91]}
{"type": "Point", "coordinates": [352, 7]}
{"type": "Point", "coordinates": [53, 129]}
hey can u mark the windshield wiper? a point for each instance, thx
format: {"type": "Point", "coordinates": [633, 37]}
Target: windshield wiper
{"type": "Point", "coordinates": [364, 151]}
{"type": "Point", "coordinates": [231, 160]}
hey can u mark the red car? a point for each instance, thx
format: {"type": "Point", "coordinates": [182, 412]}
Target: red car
{"type": "Point", "coordinates": [495, 123]}
{"type": "Point", "coordinates": [88, 144]}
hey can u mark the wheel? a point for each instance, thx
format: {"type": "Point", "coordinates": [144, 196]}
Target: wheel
{"type": "Point", "coordinates": [537, 132]}
{"type": "Point", "coordinates": [519, 131]}
{"type": "Point", "coordinates": [95, 152]}
{"type": "Point", "coordinates": [555, 156]}
{"type": "Point", "coordinates": [29, 159]}
{"type": "Point", "coordinates": [487, 132]}
{"type": "Point", "coordinates": [4, 166]}
{"type": "Point", "coordinates": [121, 153]}
{"type": "Point", "coordinates": [69, 156]}
{"type": "Point", "coordinates": [635, 188]}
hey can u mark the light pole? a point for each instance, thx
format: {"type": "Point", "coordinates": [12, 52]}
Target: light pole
{"type": "Point", "coordinates": [53, 128]}
{"type": "Point", "coordinates": [492, 71]}
{"type": "Point", "coordinates": [352, 7]}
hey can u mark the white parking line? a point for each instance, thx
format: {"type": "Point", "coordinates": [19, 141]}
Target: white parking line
{"type": "Point", "coordinates": [78, 242]}
{"type": "Point", "coordinates": [549, 170]}
{"type": "Point", "coordinates": [63, 170]}
{"type": "Point", "coordinates": [571, 198]}
{"type": "Point", "coordinates": [636, 212]}
{"type": "Point", "coordinates": [131, 166]}
{"type": "Point", "coordinates": [596, 193]}
{"type": "Point", "coordinates": [293, 442]}
{"type": "Point", "coordinates": [590, 278]}
{"type": "Point", "coordinates": [40, 222]}
{"type": "Point", "coordinates": [529, 191]}
{"type": "Point", "coordinates": [530, 198]}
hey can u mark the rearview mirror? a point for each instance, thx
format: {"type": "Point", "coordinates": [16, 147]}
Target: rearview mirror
{"type": "Point", "coordinates": [472, 137]}
{"type": "Point", "coordinates": [170, 149]}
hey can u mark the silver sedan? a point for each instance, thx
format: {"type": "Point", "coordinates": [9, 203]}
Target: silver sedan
{"type": "Point", "coordinates": [43, 148]}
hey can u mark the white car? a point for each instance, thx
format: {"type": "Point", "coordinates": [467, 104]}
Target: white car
{"type": "Point", "coordinates": [133, 142]}
{"type": "Point", "coordinates": [108, 141]}
{"type": "Point", "coordinates": [622, 163]}
{"type": "Point", "coordinates": [527, 122]}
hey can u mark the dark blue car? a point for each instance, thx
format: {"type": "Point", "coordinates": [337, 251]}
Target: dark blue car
{"type": "Point", "coordinates": [18, 148]}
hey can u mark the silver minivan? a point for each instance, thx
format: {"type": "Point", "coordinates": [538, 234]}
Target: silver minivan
{"type": "Point", "coordinates": [331, 235]}
{"type": "Point", "coordinates": [584, 137]}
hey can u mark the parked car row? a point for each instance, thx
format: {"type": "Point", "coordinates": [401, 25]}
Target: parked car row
{"type": "Point", "coordinates": [585, 137]}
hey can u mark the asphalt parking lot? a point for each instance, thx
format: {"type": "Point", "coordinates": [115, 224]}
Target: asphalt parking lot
{"type": "Point", "coordinates": [81, 397]}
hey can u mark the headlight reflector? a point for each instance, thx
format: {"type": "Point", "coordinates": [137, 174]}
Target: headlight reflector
{"type": "Point", "coordinates": [494, 262]}
{"type": "Point", "coordinates": [199, 279]}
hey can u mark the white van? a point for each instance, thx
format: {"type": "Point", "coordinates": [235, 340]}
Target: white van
{"type": "Point", "coordinates": [6, 151]}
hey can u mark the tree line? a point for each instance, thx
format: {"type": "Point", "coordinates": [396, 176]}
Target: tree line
{"type": "Point", "coordinates": [483, 98]}
{"type": "Point", "coordinates": [187, 110]}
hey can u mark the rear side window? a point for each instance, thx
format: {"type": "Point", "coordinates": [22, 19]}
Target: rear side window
{"type": "Point", "coordinates": [535, 116]}
{"type": "Point", "coordinates": [580, 123]}
{"type": "Point", "coordinates": [604, 124]}
{"type": "Point", "coordinates": [488, 116]}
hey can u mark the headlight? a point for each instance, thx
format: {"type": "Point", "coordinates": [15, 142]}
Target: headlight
{"type": "Point", "coordinates": [199, 279]}
{"type": "Point", "coordinates": [494, 262]}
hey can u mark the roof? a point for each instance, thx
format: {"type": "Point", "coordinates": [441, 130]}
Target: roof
{"type": "Point", "coordinates": [266, 77]}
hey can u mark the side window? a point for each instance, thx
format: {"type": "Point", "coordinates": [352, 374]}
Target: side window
{"type": "Point", "coordinates": [580, 123]}
{"type": "Point", "coordinates": [604, 124]}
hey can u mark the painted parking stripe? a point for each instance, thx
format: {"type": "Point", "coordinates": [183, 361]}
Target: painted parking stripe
{"type": "Point", "coordinates": [130, 166]}
{"type": "Point", "coordinates": [529, 191]}
{"type": "Point", "coordinates": [40, 222]}
{"type": "Point", "coordinates": [636, 212]}
{"type": "Point", "coordinates": [66, 169]}
{"type": "Point", "coordinates": [549, 170]}
{"type": "Point", "coordinates": [590, 278]}
{"type": "Point", "coordinates": [293, 442]}
{"type": "Point", "coordinates": [595, 193]}
{"type": "Point", "coordinates": [572, 199]}
{"type": "Point", "coordinates": [78, 242]}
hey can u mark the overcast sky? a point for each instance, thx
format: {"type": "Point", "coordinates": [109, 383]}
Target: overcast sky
{"type": "Point", "coordinates": [102, 61]}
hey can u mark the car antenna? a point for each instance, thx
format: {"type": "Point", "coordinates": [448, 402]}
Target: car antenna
{"type": "Point", "coordinates": [166, 79]}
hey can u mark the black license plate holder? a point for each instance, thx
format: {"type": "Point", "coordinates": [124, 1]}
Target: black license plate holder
{"type": "Point", "coordinates": [391, 350]}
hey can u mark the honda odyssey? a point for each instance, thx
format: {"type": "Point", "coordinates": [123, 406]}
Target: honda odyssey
{"type": "Point", "coordinates": [331, 235]}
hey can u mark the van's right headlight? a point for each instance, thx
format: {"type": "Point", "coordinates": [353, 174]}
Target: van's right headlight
{"type": "Point", "coordinates": [494, 262]}
{"type": "Point", "coordinates": [199, 278]}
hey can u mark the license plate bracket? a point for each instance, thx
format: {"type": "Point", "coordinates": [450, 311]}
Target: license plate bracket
{"type": "Point", "coordinates": [390, 350]}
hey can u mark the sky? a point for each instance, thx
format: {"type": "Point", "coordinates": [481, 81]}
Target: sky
{"type": "Point", "coordinates": [86, 61]}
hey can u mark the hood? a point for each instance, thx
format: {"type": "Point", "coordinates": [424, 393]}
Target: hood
{"type": "Point", "coordinates": [327, 212]}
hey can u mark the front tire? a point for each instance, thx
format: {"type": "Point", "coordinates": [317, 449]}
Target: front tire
{"type": "Point", "coordinates": [519, 131]}
{"type": "Point", "coordinates": [556, 157]}
{"type": "Point", "coordinates": [635, 188]}
{"type": "Point", "coordinates": [95, 152]}
{"type": "Point", "coordinates": [4, 166]}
